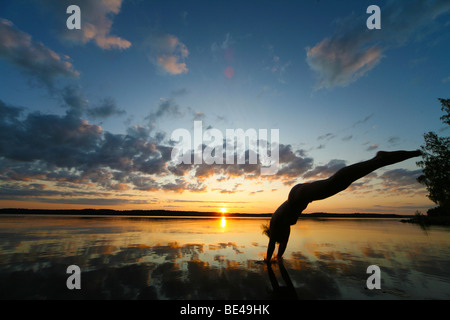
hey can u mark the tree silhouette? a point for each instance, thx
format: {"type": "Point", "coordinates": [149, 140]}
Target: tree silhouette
{"type": "Point", "coordinates": [436, 166]}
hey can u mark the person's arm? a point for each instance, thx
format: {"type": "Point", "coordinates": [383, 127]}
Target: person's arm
{"type": "Point", "coordinates": [270, 249]}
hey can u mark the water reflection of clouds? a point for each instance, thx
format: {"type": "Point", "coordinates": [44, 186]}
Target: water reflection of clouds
{"type": "Point", "coordinates": [180, 274]}
{"type": "Point", "coordinates": [142, 262]}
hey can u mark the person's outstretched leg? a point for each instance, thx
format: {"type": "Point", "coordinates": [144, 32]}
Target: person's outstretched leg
{"type": "Point", "coordinates": [346, 176]}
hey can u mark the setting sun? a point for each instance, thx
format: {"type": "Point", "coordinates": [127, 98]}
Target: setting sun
{"type": "Point", "coordinates": [223, 210]}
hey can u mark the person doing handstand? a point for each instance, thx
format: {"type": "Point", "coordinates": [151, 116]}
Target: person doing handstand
{"type": "Point", "coordinates": [304, 193]}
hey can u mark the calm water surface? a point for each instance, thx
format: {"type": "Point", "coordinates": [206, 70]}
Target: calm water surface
{"type": "Point", "coordinates": [172, 258]}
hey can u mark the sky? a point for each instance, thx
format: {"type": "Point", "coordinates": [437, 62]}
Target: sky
{"type": "Point", "coordinates": [88, 115]}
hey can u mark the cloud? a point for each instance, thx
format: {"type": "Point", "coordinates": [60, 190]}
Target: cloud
{"type": "Point", "coordinates": [401, 177]}
{"type": "Point", "coordinates": [179, 92]}
{"type": "Point", "coordinates": [362, 121]}
{"type": "Point", "coordinates": [166, 108]}
{"type": "Point", "coordinates": [96, 22]}
{"type": "Point", "coordinates": [292, 164]}
{"type": "Point", "coordinates": [325, 171]}
{"type": "Point", "coordinates": [38, 192]}
{"type": "Point", "coordinates": [168, 53]}
{"type": "Point", "coordinates": [327, 136]}
{"type": "Point", "coordinates": [276, 66]}
{"type": "Point", "coordinates": [232, 190]}
{"type": "Point", "coordinates": [61, 141]}
{"type": "Point", "coordinates": [393, 140]}
{"type": "Point", "coordinates": [105, 109]}
{"type": "Point", "coordinates": [171, 64]}
{"type": "Point", "coordinates": [347, 138]}
{"type": "Point", "coordinates": [226, 43]}
{"type": "Point", "coordinates": [73, 98]}
{"type": "Point", "coordinates": [353, 50]}
{"type": "Point", "coordinates": [45, 66]}
{"type": "Point", "coordinates": [338, 64]}
{"type": "Point", "coordinates": [94, 201]}
{"type": "Point", "coordinates": [11, 191]}
{"type": "Point", "coordinates": [76, 146]}
{"type": "Point", "coordinates": [401, 181]}
{"type": "Point", "coordinates": [65, 159]}
{"type": "Point", "coordinates": [207, 201]}
{"type": "Point", "coordinates": [32, 57]}
{"type": "Point", "coordinates": [9, 114]}
{"type": "Point", "coordinates": [70, 155]}
{"type": "Point", "coordinates": [78, 105]}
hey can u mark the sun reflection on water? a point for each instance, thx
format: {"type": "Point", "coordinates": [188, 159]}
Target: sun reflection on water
{"type": "Point", "coordinates": [223, 222]}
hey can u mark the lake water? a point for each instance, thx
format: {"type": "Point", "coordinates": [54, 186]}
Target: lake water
{"type": "Point", "coordinates": [199, 258]}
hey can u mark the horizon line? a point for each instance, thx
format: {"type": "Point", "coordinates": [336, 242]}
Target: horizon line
{"type": "Point", "coordinates": [177, 213]}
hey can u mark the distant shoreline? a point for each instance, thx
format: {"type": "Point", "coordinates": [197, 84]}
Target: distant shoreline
{"type": "Point", "coordinates": [170, 213]}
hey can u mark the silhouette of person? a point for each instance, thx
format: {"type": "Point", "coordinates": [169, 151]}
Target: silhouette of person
{"type": "Point", "coordinates": [304, 193]}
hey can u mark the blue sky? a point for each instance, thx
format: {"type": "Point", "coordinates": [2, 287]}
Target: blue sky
{"type": "Point", "coordinates": [87, 114]}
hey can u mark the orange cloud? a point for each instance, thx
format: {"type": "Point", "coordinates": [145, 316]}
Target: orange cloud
{"type": "Point", "coordinates": [96, 22]}
{"type": "Point", "coordinates": [171, 64]}
{"type": "Point", "coordinates": [339, 64]}
{"type": "Point", "coordinates": [168, 53]}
